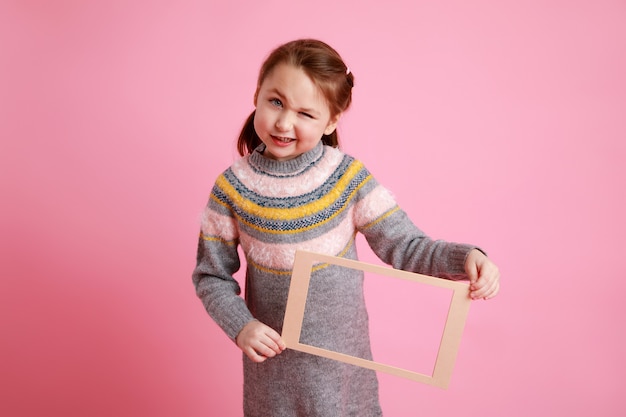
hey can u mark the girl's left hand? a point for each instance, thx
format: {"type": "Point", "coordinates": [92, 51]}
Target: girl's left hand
{"type": "Point", "coordinates": [483, 274]}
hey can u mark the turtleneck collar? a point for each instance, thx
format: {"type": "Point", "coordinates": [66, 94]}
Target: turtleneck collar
{"type": "Point", "coordinates": [289, 167]}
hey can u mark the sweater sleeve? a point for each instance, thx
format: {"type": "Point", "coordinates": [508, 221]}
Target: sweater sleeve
{"type": "Point", "coordinates": [217, 261]}
{"type": "Point", "coordinates": [396, 240]}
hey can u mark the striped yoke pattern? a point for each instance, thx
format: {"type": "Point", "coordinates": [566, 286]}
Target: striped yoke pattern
{"type": "Point", "coordinates": [270, 225]}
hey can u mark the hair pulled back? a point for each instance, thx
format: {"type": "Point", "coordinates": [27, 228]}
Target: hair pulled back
{"type": "Point", "coordinates": [323, 65]}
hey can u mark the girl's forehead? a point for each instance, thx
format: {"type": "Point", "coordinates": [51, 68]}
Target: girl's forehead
{"type": "Point", "coordinates": [293, 84]}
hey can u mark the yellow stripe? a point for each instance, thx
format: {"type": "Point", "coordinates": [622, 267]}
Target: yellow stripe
{"type": "Point", "coordinates": [218, 239]}
{"type": "Point", "coordinates": [268, 270]}
{"type": "Point", "coordinates": [296, 212]}
{"type": "Point", "coordinates": [340, 254]}
{"type": "Point", "coordinates": [383, 217]}
{"type": "Point", "coordinates": [292, 213]}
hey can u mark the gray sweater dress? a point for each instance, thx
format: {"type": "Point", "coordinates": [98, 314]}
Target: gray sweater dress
{"type": "Point", "coordinates": [317, 202]}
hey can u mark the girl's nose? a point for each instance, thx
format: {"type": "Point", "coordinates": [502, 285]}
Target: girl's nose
{"type": "Point", "coordinates": [284, 123]}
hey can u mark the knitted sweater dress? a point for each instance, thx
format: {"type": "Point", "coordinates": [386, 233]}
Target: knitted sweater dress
{"type": "Point", "coordinates": [318, 202]}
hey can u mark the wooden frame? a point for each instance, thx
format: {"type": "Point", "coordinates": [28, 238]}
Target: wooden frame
{"type": "Point", "coordinates": [452, 332]}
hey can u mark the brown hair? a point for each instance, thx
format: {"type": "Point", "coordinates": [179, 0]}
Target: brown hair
{"type": "Point", "coordinates": [323, 65]}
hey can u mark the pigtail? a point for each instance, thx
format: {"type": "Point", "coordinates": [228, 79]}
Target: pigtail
{"type": "Point", "coordinates": [331, 140]}
{"type": "Point", "coordinates": [342, 94]}
{"type": "Point", "coordinates": [248, 139]}
{"type": "Point", "coordinates": [349, 78]}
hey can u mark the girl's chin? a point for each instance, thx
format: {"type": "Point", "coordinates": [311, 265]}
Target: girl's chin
{"type": "Point", "coordinates": [279, 150]}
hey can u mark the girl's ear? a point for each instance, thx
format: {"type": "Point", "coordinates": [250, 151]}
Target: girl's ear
{"type": "Point", "coordinates": [332, 124]}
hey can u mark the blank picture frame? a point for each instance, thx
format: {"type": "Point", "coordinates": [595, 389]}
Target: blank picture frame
{"type": "Point", "coordinates": [450, 339]}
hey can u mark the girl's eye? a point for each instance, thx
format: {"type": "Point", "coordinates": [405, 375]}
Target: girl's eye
{"type": "Point", "coordinates": [307, 115]}
{"type": "Point", "coordinates": [276, 102]}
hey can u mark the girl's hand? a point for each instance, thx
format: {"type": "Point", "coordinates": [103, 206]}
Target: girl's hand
{"type": "Point", "coordinates": [259, 341]}
{"type": "Point", "coordinates": [483, 274]}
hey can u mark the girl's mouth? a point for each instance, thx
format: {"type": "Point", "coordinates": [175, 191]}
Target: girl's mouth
{"type": "Point", "coordinates": [281, 140]}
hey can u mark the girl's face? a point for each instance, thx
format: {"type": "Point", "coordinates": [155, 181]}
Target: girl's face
{"type": "Point", "coordinates": [291, 113]}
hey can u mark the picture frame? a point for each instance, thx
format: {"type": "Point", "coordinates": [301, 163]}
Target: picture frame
{"type": "Point", "coordinates": [452, 331]}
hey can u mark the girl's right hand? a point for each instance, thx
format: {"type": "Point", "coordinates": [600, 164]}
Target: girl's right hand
{"type": "Point", "coordinates": [259, 341]}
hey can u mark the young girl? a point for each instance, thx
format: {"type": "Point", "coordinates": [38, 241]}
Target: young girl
{"type": "Point", "coordinates": [294, 189]}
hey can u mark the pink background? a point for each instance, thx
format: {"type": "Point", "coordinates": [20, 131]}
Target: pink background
{"type": "Point", "coordinates": [500, 123]}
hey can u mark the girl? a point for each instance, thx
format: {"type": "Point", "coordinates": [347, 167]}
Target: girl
{"type": "Point", "coordinates": [293, 189]}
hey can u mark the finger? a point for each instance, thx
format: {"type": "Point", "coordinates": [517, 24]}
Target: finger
{"type": "Point", "coordinates": [487, 287]}
{"type": "Point", "coordinates": [254, 356]}
{"type": "Point", "coordinates": [261, 350]}
{"type": "Point", "coordinates": [265, 347]}
{"type": "Point", "coordinates": [278, 342]}
{"type": "Point", "coordinates": [270, 344]}
{"type": "Point", "coordinates": [493, 292]}
{"type": "Point", "coordinates": [478, 287]}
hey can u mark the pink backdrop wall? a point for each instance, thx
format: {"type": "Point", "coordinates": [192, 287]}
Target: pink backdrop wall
{"type": "Point", "coordinates": [495, 122]}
